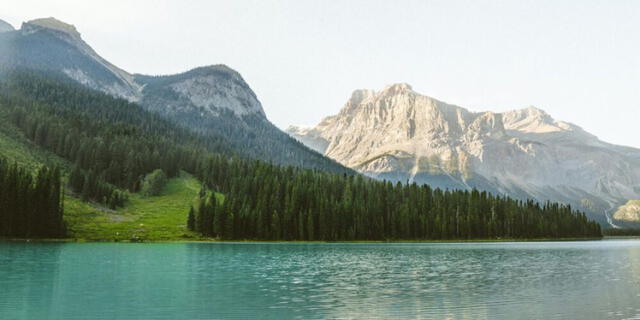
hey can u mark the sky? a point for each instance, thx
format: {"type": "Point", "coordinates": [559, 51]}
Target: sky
{"type": "Point", "coordinates": [578, 60]}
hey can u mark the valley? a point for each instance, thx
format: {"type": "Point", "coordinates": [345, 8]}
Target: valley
{"type": "Point", "coordinates": [445, 160]}
{"type": "Point", "coordinates": [115, 144]}
{"type": "Point", "coordinates": [107, 129]}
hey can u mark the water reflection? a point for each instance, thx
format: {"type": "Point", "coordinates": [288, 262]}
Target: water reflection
{"type": "Point", "coordinates": [586, 280]}
{"type": "Point", "coordinates": [28, 284]}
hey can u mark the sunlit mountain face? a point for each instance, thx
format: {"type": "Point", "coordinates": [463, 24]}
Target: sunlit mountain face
{"type": "Point", "coordinates": [400, 135]}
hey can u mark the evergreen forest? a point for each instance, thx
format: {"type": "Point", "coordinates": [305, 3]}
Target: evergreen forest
{"type": "Point", "coordinates": [116, 148]}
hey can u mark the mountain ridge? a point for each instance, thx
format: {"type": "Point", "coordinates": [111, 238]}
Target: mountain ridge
{"type": "Point", "coordinates": [400, 135]}
{"type": "Point", "coordinates": [211, 100]}
{"type": "Point", "coordinates": [5, 26]}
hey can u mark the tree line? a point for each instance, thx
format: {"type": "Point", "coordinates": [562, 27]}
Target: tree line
{"type": "Point", "coordinates": [264, 201]}
{"type": "Point", "coordinates": [30, 206]}
{"type": "Point", "coordinates": [250, 136]}
{"type": "Point", "coordinates": [621, 232]}
{"type": "Point", "coordinates": [114, 144]}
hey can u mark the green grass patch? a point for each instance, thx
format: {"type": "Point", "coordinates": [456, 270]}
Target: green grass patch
{"type": "Point", "coordinates": [157, 218]}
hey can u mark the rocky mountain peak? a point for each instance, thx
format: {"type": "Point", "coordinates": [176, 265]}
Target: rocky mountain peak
{"type": "Point", "coordinates": [628, 212]}
{"type": "Point", "coordinates": [358, 96]}
{"type": "Point", "coordinates": [222, 68]}
{"type": "Point", "coordinates": [396, 88]}
{"type": "Point", "coordinates": [213, 100]}
{"type": "Point", "coordinates": [218, 70]}
{"type": "Point", "coordinates": [399, 95]}
{"type": "Point", "coordinates": [532, 110]}
{"type": "Point", "coordinates": [5, 26]}
{"type": "Point", "coordinates": [211, 90]}
{"type": "Point", "coordinates": [400, 135]}
{"type": "Point", "coordinates": [50, 24]}
{"type": "Point", "coordinates": [534, 120]}
{"type": "Point", "coordinates": [51, 44]}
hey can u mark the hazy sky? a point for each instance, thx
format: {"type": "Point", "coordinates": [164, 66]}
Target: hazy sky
{"type": "Point", "coordinates": [578, 60]}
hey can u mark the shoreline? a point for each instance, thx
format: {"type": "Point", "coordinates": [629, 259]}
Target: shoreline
{"type": "Point", "coordinates": [74, 240]}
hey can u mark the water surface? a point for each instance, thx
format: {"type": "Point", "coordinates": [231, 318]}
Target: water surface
{"type": "Point", "coordinates": [536, 280]}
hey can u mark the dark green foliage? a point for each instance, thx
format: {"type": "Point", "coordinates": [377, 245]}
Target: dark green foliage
{"type": "Point", "coordinates": [263, 201]}
{"type": "Point", "coordinates": [251, 136]}
{"type": "Point", "coordinates": [621, 232]}
{"type": "Point", "coordinates": [90, 187]}
{"type": "Point", "coordinates": [191, 220]}
{"type": "Point", "coordinates": [30, 207]}
{"type": "Point", "coordinates": [115, 143]}
{"type": "Point", "coordinates": [153, 183]}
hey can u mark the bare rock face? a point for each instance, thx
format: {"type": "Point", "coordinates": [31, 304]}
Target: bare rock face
{"type": "Point", "coordinates": [53, 45]}
{"type": "Point", "coordinates": [211, 91]}
{"type": "Point", "coordinates": [51, 24]}
{"type": "Point", "coordinates": [629, 212]}
{"type": "Point", "coordinates": [400, 135]}
{"type": "Point", "coordinates": [214, 101]}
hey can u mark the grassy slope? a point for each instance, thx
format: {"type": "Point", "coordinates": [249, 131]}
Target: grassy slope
{"type": "Point", "coordinates": [15, 147]}
{"type": "Point", "coordinates": [156, 218]}
{"type": "Point", "coordinates": [161, 217]}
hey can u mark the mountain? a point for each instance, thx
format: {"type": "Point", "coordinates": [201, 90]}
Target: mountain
{"type": "Point", "coordinates": [4, 26]}
{"type": "Point", "coordinates": [629, 212]}
{"type": "Point", "coordinates": [51, 45]}
{"type": "Point", "coordinates": [116, 149]}
{"type": "Point", "coordinates": [400, 135]}
{"type": "Point", "coordinates": [213, 100]}
{"type": "Point", "coordinates": [213, 90]}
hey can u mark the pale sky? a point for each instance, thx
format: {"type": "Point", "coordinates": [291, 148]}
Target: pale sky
{"type": "Point", "coordinates": [578, 60]}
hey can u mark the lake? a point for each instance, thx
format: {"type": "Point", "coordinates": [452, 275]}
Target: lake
{"type": "Point", "coordinates": [526, 280]}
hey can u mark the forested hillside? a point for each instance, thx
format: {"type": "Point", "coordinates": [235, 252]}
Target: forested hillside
{"type": "Point", "coordinates": [270, 202]}
{"type": "Point", "coordinates": [114, 144]}
{"type": "Point", "coordinates": [214, 100]}
{"type": "Point", "coordinates": [243, 123]}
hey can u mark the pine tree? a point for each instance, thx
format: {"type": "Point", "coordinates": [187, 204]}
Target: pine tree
{"type": "Point", "coordinates": [191, 220]}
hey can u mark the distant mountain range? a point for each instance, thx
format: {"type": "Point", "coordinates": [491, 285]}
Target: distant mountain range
{"type": "Point", "coordinates": [400, 135]}
{"type": "Point", "coordinates": [213, 100]}
{"type": "Point", "coordinates": [395, 134]}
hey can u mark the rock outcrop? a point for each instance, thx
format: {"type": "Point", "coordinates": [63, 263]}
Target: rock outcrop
{"type": "Point", "coordinates": [400, 135]}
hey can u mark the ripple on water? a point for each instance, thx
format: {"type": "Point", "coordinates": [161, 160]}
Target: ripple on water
{"type": "Point", "coordinates": [547, 280]}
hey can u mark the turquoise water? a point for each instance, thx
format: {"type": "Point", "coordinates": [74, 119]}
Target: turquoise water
{"type": "Point", "coordinates": [546, 280]}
